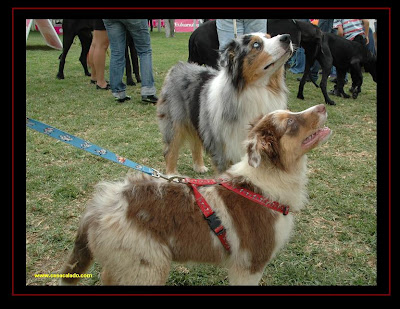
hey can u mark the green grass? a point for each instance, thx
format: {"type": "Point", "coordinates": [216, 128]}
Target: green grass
{"type": "Point", "coordinates": [334, 242]}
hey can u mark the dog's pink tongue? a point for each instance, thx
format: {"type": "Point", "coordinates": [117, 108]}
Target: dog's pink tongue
{"type": "Point", "coordinates": [318, 137]}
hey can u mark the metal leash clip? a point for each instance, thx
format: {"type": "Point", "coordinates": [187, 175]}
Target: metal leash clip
{"type": "Point", "coordinates": [157, 174]}
{"type": "Point", "coordinates": [175, 178]}
{"type": "Point", "coordinates": [178, 179]}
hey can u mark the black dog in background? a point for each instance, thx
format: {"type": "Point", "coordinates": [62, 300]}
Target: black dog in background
{"type": "Point", "coordinates": [131, 62]}
{"type": "Point", "coordinates": [71, 28]}
{"type": "Point", "coordinates": [83, 29]}
{"type": "Point", "coordinates": [204, 44]}
{"type": "Point", "coordinates": [328, 49]}
{"type": "Point", "coordinates": [345, 55]}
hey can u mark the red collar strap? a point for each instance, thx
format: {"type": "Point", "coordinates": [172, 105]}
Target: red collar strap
{"type": "Point", "coordinates": [213, 221]}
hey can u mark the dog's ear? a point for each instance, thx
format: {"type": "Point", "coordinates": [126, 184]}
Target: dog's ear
{"type": "Point", "coordinates": [253, 123]}
{"type": "Point", "coordinates": [229, 59]}
{"type": "Point", "coordinates": [270, 147]}
{"type": "Point", "coordinates": [253, 153]}
{"type": "Point", "coordinates": [264, 144]}
{"type": "Point", "coordinates": [227, 54]}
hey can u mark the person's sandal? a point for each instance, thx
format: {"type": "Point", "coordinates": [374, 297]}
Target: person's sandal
{"type": "Point", "coordinates": [105, 88]}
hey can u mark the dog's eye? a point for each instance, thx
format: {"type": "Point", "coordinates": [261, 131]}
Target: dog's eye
{"type": "Point", "coordinates": [290, 121]}
{"type": "Point", "coordinates": [256, 45]}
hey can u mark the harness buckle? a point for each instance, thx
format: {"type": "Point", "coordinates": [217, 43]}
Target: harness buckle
{"type": "Point", "coordinates": [214, 223]}
{"type": "Point", "coordinates": [285, 210]}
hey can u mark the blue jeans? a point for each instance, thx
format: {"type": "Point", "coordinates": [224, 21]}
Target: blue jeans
{"type": "Point", "coordinates": [138, 29]}
{"type": "Point", "coordinates": [299, 61]}
{"type": "Point", "coordinates": [244, 26]}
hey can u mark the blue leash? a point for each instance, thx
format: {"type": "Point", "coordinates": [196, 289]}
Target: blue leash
{"type": "Point", "coordinates": [89, 147]}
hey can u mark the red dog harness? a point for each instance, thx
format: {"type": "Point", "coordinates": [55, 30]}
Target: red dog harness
{"type": "Point", "coordinates": [213, 221]}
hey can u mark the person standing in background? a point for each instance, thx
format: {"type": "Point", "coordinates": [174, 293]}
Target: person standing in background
{"type": "Point", "coordinates": [226, 32]}
{"type": "Point", "coordinates": [97, 55]}
{"type": "Point", "coordinates": [352, 29]}
{"type": "Point", "coordinates": [139, 31]}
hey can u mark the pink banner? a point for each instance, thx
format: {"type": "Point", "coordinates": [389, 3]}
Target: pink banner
{"type": "Point", "coordinates": [185, 25]}
{"type": "Point", "coordinates": [181, 25]}
{"type": "Point", "coordinates": [155, 23]}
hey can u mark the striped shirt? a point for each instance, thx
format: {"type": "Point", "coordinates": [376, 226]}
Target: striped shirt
{"type": "Point", "coordinates": [351, 27]}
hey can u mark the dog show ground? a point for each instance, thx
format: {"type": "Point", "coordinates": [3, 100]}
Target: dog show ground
{"type": "Point", "coordinates": [334, 241]}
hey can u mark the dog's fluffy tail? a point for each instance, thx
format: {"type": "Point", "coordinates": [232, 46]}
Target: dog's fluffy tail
{"type": "Point", "coordinates": [80, 258]}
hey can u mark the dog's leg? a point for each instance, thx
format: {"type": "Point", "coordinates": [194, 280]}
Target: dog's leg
{"type": "Point", "coordinates": [86, 41]}
{"type": "Point", "coordinates": [300, 94]}
{"type": "Point", "coordinates": [240, 276]}
{"type": "Point", "coordinates": [106, 278]}
{"type": "Point", "coordinates": [67, 42]}
{"type": "Point", "coordinates": [340, 83]}
{"type": "Point", "coordinates": [357, 79]}
{"type": "Point", "coordinates": [309, 62]}
{"type": "Point", "coordinates": [196, 147]}
{"type": "Point", "coordinates": [135, 62]}
{"type": "Point", "coordinates": [326, 61]}
{"type": "Point", "coordinates": [315, 83]}
{"type": "Point", "coordinates": [172, 147]}
{"type": "Point", "coordinates": [81, 257]}
{"type": "Point", "coordinates": [134, 270]}
{"type": "Point", "coordinates": [128, 67]}
{"type": "Point", "coordinates": [323, 85]}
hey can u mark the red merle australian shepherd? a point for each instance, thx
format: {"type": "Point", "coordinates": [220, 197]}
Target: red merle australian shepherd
{"type": "Point", "coordinates": [212, 108]}
{"type": "Point", "coordinates": [137, 226]}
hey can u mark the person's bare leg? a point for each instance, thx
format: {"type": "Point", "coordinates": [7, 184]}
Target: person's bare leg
{"type": "Point", "coordinates": [99, 56]}
{"type": "Point", "coordinates": [90, 61]}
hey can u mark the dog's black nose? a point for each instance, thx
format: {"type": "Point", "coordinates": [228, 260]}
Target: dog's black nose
{"type": "Point", "coordinates": [285, 38]}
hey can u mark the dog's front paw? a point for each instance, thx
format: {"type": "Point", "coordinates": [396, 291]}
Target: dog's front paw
{"type": "Point", "coordinates": [130, 82]}
{"type": "Point", "coordinates": [200, 169]}
{"type": "Point", "coordinates": [345, 95]}
{"type": "Point", "coordinates": [330, 102]}
{"type": "Point", "coordinates": [355, 91]}
{"type": "Point", "coordinates": [300, 96]}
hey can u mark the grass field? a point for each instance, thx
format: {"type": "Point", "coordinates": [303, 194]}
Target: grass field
{"type": "Point", "coordinates": [334, 242]}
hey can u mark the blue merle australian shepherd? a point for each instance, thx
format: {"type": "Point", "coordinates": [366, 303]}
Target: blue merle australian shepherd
{"type": "Point", "coordinates": [213, 108]}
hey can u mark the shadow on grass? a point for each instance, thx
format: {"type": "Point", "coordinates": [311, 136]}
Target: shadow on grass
{"type": "Point", "coordinates": [39, 47]}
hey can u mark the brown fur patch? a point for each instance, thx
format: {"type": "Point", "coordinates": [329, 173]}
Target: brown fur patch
{"type": "Point", "coordinates": [169, 212]}
{"type": "Point", "coordinates": [267, 138]}
{"type": "Point", "coordinates": [253, 223]}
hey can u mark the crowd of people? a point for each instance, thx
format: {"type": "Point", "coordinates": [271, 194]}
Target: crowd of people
{"type": "Point", "coordinates": [112, 33]}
